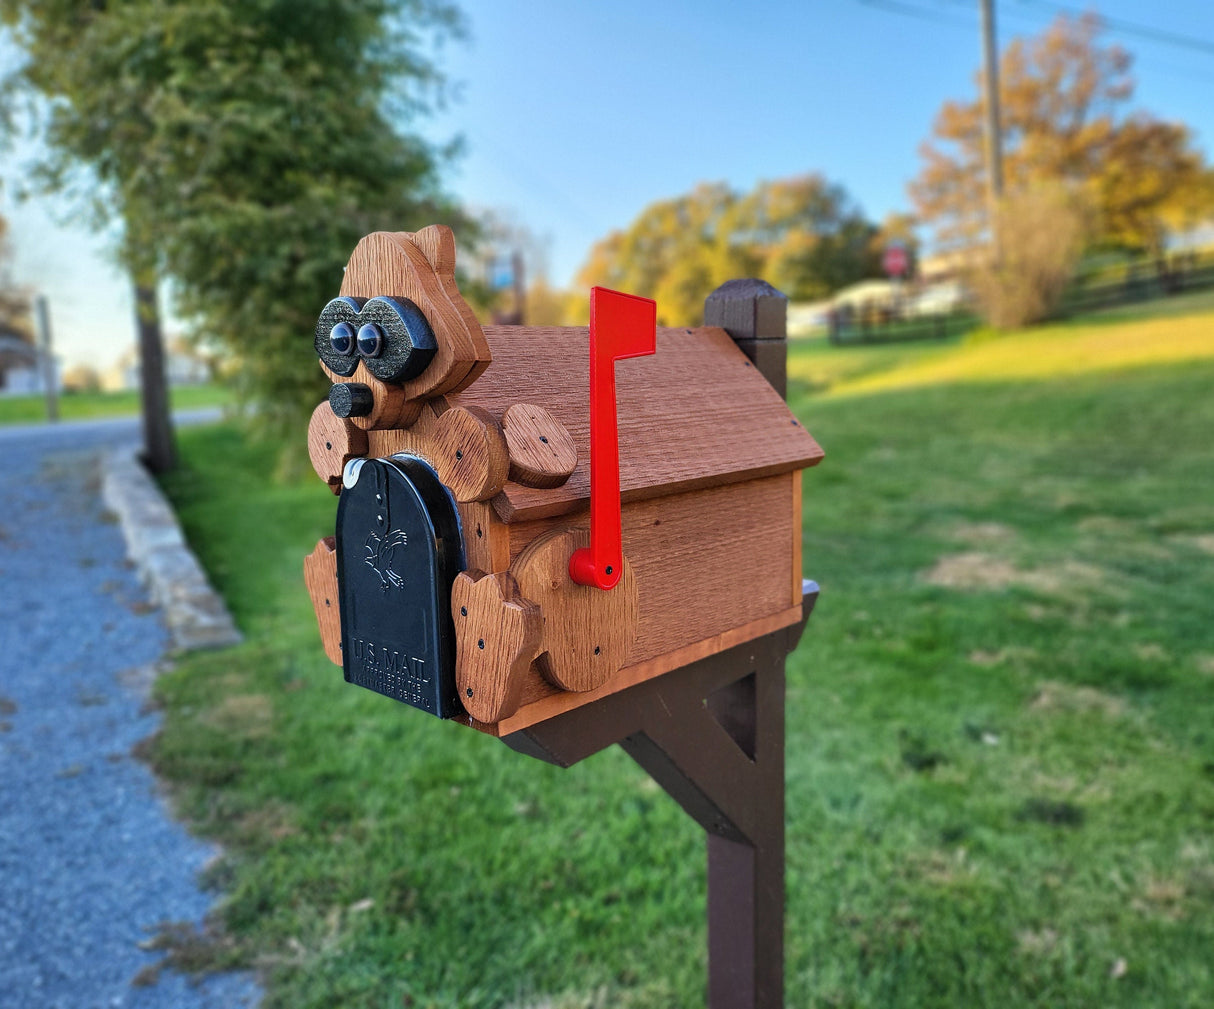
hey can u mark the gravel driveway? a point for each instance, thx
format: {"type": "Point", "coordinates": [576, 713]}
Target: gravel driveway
{"type": "Point", "coordinates": [90, 861]}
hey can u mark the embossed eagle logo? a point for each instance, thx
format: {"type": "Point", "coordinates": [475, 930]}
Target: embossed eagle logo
{"type": "Point", "coordinates": [380, 552]}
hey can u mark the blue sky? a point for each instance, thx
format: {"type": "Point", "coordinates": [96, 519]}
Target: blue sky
{"type": "Point", "coordinates": [577, 115]}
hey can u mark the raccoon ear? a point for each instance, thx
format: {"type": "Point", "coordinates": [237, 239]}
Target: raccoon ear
{"type": "Point", "coordinates": [437, 243]}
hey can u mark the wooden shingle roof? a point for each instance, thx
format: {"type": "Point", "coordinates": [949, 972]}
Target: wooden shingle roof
{"type": "Point", "coordinates": [696, 414]}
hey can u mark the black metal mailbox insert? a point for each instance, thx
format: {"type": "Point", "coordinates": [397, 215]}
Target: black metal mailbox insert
{"type": "Point", "coordinates": [399, 548]}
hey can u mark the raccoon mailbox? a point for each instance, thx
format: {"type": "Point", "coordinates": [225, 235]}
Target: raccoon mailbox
{"type": "Point", "coordinates": [571, 537]}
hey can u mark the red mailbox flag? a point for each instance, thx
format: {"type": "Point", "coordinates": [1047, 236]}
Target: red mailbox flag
{"type": "Point", "coordinates": [621, 325]}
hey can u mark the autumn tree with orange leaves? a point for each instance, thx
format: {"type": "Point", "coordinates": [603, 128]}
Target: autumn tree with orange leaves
{"type": "Point", "coordinates": [1066, 124]}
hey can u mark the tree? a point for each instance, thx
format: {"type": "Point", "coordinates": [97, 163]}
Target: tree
{"type": "Point", "coordinates": [1041, 236]}
{"type": "Point", "coordinates": [802, 234]}
{"type": "Point", "coordinates": [1064, 122]}
{"type": "Point", "coordinates": [15, 301]}
{"type": "Point", "coordinates": [81, 378]}
{"type": "Point", "coordinates": [245, 148]}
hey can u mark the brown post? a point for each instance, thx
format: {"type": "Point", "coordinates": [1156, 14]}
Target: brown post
{"type": "Point", "coordinates": [755, 314]}
{"type": "Point", "coordinates": [746, 877]}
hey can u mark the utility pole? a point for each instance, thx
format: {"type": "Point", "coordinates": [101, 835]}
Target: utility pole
{"type": "Point", "coordinates": [994, 137]}
{"type": "Point", "coordinates": [520, 286]}
{"type": "Point", "coordinates": [43, 313]}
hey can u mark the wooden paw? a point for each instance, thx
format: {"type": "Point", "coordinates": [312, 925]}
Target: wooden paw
{"type": "Point", "coordinates": [587, 632]}
{"type": "Point", "coordinates": [320, 576]}
{"type": "Point", "coordinates": [465, 445]}
{"type": "Point", "coordinates": [542, 454]}
{"type": "Point", "coordinates": [332, 442]}
{"type": "Point", "coordinates": [497, 635]}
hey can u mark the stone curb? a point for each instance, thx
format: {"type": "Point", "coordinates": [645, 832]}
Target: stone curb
{"type": "Point", "coordinates": [194, 611]}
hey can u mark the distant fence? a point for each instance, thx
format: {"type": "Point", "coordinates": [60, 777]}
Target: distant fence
{"type": "Point", "coordinates": [1138, 280]}
{"type": "Point", "coordinates": [886, 326]}
{"type": "Point", "coordinates": [1118, 283]}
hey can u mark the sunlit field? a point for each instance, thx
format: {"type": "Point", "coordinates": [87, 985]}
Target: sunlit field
{"type": "Point", "coordinates": [1114, 340]}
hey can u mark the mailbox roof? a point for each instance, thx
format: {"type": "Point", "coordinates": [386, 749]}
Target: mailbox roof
{"type": "Point", "coordinates": [697, 414]}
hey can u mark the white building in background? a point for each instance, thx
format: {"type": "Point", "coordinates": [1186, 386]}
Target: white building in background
{"type": "Point", "coordinates": [182, 366]}
{"type": "Point", "coordinates": [21, 366]}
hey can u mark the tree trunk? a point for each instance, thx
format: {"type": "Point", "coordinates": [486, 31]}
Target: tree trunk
{"type": "Point", "coordinates": [160, 454]}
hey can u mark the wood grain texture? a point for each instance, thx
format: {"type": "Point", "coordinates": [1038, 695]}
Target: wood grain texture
{"type": "Point", "coordinates": [392, 264]}
{"type": "Point", "coordinates": [497, 635]}
{"type": "Point", "coordinates": [748, 309]}
{"type": "Point", "coordinates": [464, 444]}
{"type": "Point", "coordinates": [542, 453]}
{"type": "Point", "coordinates": [470, 453]}
{"type": "Point", "coordinates": [486, 537]}
{"type": "Point", "coordinates": [770, 357]}
{"type": "Point", "coordinates": [588, 633]}
{"type": "Point", "coordinates": [392, 406]}
{"type": "Point", "coordinates": [385, 263]}
{"type": "Point", "coordinates": [704, 561]}
{"type": "Point", "coordinates": [539, 707]}
{"type": "Point", "coordinates": [798, 538]}
{"type": "Point", "coordinates": [332, 442]}
{"type": "Point", "coordinates": [694, 415]}
{"type": "Point", "coordinates": [320, 577]}
{"type": "Point", "coordinates": [437, 243]}
{"type": "Point", "coordinates": [712, 571]}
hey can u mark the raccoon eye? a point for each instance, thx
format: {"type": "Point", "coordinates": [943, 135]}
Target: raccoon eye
{"type": "Point", "coordinates": [370, 340]}
{"type": "Point", "coordinates": [341, 339]}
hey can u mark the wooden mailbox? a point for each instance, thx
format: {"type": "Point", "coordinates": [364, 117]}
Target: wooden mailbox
{"type": "Point", "coordinates": [462, 459]}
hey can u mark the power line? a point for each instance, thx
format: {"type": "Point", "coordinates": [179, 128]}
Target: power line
{"type": "Point", "coordinates": [915, 12]}
{"type": "Point", "coordinates": [1159, 35]}
{"type": "Point", "coordinates": [1156, 35]}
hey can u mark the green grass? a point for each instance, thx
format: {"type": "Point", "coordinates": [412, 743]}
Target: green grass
{"type": "Point", "coordinates": [1000, 752]}
{"type": "Point", "coordinates": [88, 405]}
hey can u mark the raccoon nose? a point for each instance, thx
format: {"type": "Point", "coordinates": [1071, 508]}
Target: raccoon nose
{"type": "Point", "coordinates": [351, 399]}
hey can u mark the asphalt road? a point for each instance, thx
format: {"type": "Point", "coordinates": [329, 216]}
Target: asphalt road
{"type": "Point", "coordinates": [90, 861]}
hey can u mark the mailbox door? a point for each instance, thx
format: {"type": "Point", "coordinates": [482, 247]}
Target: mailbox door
{"type": "Point", "coordinates": [399, 549]}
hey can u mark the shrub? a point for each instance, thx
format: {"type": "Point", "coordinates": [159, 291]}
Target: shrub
{"type": "Point", "coordinates": [1041, 236]}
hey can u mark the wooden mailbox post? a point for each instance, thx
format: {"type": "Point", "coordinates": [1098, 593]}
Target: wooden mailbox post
{"type": "Point", "coordinates": [462, 457]}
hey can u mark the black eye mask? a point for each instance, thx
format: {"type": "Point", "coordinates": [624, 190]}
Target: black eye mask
{"type": "Point", "coordinates": [389, 335]}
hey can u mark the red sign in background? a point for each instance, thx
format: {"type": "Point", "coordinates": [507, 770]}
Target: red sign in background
{"type": "Point", "coordinates": [895, 261]}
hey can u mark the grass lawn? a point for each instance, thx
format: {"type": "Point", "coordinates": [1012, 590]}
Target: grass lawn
{"type": "Point", "coordinates": [88, 405]}
{"type": "Point", "coordinates": [1000, 750]}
